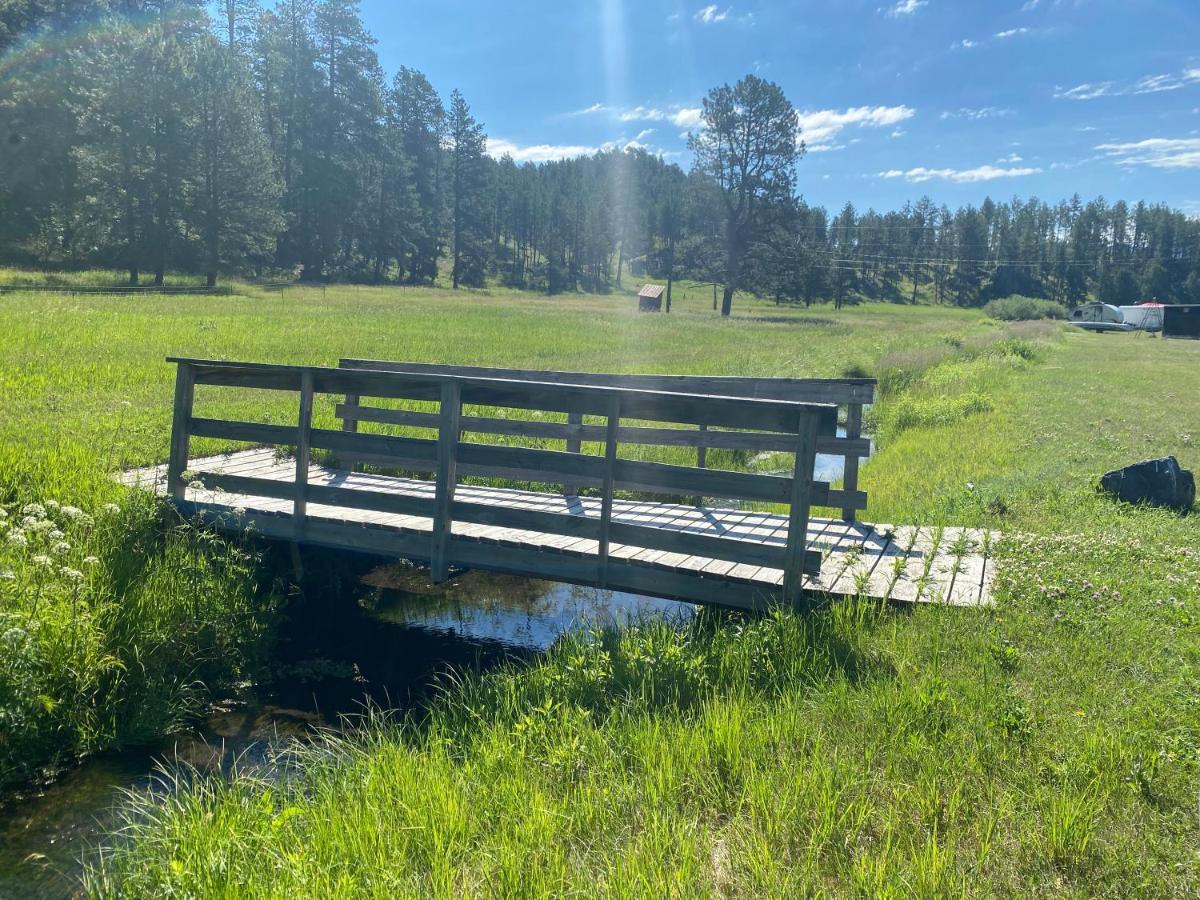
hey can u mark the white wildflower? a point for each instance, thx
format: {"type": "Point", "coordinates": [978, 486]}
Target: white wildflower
{"type": "Point", "coordinates": [3, 513]}
{"type": "Point", "coordinates": [18, 537]}
{"type": "Point", "coordinates": [34, 509]}
{"type": "Point", "coordinates": [8, 575]}
{"type": "Point", "coordinates": [110, 508]}
{"type": "Point", "coordinates": [42, 559]}
{"type": "Point", "coordinates": [30, 520]}
{"type": "Point", "coordinates": [52, 505]}
{"type": "Point", "coordinates": [72, 512]}
{"type": "Point", "coordinates": [91, 561]}
{"type": "Point", "coordinates": [56, 535]}
{"type": "Point", "coordinates": [62, 548]}
{"type": "Point", "coordinates": [38, 526]}
{"type": "Point", "coordinates": [71, 574]}
{"type": "Point", "coordinates": [196, 485]}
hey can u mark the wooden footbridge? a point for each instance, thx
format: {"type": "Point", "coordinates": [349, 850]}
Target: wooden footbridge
{"type": "Point", "coordinates": [592, 513]}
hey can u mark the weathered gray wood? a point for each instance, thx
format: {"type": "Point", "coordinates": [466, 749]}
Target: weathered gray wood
{"type": "Point", "coordinates": [250, 432]}
{"type": "Point", "coordinates": [628, 434]}
{"type": "Point", "coordinates": [574, 445]}
{"type": "Point", "coordinates": [181, 422]}
{"type": "Point", "coordinates": [447, 477]}
{"type": "Point", "coordinates": [262, 486]}
{"type": "Point", "coordinates": [606, 491]}
{"type": "Point", "coordinates": [399, 450]}
{"type": "Point", "coordinates": [850, 472]}
{"type": "Point", "coordinates": [701, 459]}
{"type": "Point", "coordinates": [685, 409]}
{"type": "Point", "coordinates": [303, 452]}
{"type": "Point", "coordinates": [801, 494]}
{"type": "Point", "coordinates": [349, 424]}
{"type": "Point", "coordinates": [807, 390]}
{"type": "Point", "coordinates": [541, 466]}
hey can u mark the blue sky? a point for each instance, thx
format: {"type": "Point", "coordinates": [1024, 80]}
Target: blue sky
{"type": "Point", "coordinates": [957, 99]}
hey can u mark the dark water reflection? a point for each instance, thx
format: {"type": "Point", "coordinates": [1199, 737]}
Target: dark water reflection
{"type": "Point", "coordinates": [362, 632]}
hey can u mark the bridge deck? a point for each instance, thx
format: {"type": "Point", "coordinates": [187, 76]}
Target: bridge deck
{"type": "Point", "coordinates": [902, 563]}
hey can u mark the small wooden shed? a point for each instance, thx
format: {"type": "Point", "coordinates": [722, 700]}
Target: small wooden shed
{"type": "Point", "coordinates": [650, 298]}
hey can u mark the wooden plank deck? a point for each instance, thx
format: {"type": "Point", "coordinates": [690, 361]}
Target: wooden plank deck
{"type": "Point", "coordinates": [906, 564]}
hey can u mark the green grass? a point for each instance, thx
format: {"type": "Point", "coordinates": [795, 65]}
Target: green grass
{"type": "Point", "coordinates": [84, 390]}
{"type": "Point", "coordinates": [1044, 747]}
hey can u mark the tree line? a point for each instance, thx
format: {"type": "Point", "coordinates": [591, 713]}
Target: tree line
{"type": "Point", "coordinates": [229, 138]}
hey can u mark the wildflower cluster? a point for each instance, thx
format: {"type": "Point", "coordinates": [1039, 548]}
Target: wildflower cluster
{"type": "Point", "coordinates": [47, 540]}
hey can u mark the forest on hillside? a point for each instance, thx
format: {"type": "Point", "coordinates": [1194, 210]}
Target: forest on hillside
{"type": "Point", "coordinates": [233, 139]}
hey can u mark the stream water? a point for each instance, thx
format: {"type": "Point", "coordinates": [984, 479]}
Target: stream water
{"type": "Point", "coordinates": [388, 642]}
{"type": "Point", "coordinates": [377, 633]}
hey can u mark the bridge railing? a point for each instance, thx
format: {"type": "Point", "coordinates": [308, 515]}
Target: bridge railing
{"type": "Point", "coordinates": [851, 395]}
{"type": "Point", "coordinates": [449, 458]}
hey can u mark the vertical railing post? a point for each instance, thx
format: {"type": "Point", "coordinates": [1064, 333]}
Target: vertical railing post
{"type": "Point", "coordinates": [303, 452]}
{"type": "Point", "coordinates": [606, 494]}
{"type": "Point", "coordinates": [181, 429]}
{"type": "Point", "coordinates": [701, 462]}
{"type": "Point", "coordinates": [574, 445]}
{"type": "Point", "coordinates": [447, 455]}
{"type": "Point", "coordinates": [350, 424]}
{"type": "Point", "coordinates": [801, 501]}
{"type": "Point", "coordinates": [850, 474]}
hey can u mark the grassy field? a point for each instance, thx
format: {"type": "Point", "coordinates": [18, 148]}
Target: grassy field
{"type": "Point", "coordinates": [168, 613]}
{"type": "Point", "coordinates": [1047, 746]}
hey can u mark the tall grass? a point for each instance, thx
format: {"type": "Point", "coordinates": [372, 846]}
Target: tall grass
{"type": "Point", "coordinates": [1046, 747]}
{"type": "Point", "coordinates": [116, 617]}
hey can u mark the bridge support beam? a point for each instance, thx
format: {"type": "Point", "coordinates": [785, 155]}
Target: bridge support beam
{"type": "Point", "coordinates": [447, 476]}
{"type": "Point", "coordinates": [606, 497]}
{"type": "Point", "coordinates": [802, 481]}
{"type": "Point", "coordinates": [181, 430]}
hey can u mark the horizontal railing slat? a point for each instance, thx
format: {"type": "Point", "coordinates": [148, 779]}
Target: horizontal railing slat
{"type": "Point", "coordinates": [380, 445]}
{"type": "Point", "coordinates": [676, 541]}
{"type": "Point", "coordinates": [626, 434]}
{"type": "Point", "coordinates": [663, 478]}
{"type": "Point", "coordinates": [251, 432]}
{"type": "Point", "coordinates": [685, 409]}
{"type": "Point", "coordinates": [804, 390]}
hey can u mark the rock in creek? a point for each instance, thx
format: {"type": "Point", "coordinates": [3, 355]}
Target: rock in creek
{"type": "Point", "coordinates": [1158, 482]}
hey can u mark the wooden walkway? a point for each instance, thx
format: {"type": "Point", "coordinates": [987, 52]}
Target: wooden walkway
{"type": "Point", "coordinates": [905, 564]}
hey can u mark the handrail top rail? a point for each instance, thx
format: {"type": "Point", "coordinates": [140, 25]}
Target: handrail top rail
{"type": "Point", "coordinates": [853, 390]}
{"type": "Point", "coordinates": [735, 412]}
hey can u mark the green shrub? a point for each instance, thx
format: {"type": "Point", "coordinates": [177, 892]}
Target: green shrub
{"type": "Point", "coordinates": [115, 619]}
{"type": "Point", "coordinates": [1018, 308]}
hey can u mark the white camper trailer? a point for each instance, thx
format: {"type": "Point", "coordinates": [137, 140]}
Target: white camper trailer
{"type": "Point", "coordinates": [1099, 317]}
{"type": "Point", "coordinates": [1146, 316]}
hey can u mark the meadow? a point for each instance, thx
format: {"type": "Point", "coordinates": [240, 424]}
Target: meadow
{"type": "Point", "coordinates": [1046, 746]}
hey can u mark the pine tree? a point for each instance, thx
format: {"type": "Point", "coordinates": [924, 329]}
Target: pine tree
{"type": "Point", "coordinates": [468, 192]}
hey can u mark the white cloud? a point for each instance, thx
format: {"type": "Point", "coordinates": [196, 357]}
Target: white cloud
{"type": "Point", "coordinates": [1150, 84]}
{"type": "Point", "coordinates": [711, 14]}
{"type": "Point", "coordinates": [535, 153]}
{"type": "Point", "coordinates": [679, 116]}
{"type": "Point", "coordinates": [820, 127]}
{"type": "Point", "coordinates": [898, 133]}
{"type": "Point", "coordinates": [687, 117]}
{"type": "Point", "coordinates": [906, 8]}
{"type": "Point", "coordinates": [1012, 32]}
{"type": "Point", "coordinates": [1011, 158]}
{"type": "Point", "coordinates": [982, 112]}
{"type": "Point", "coordinates": [1157, 153]}
{"type": "Point", "coordinates": [958, 176]}
{"type": "Point", "coordinates": [966, 44]}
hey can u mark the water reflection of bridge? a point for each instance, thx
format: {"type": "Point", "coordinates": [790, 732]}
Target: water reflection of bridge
{"type": "Point", "coordinates": [602, 518]}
